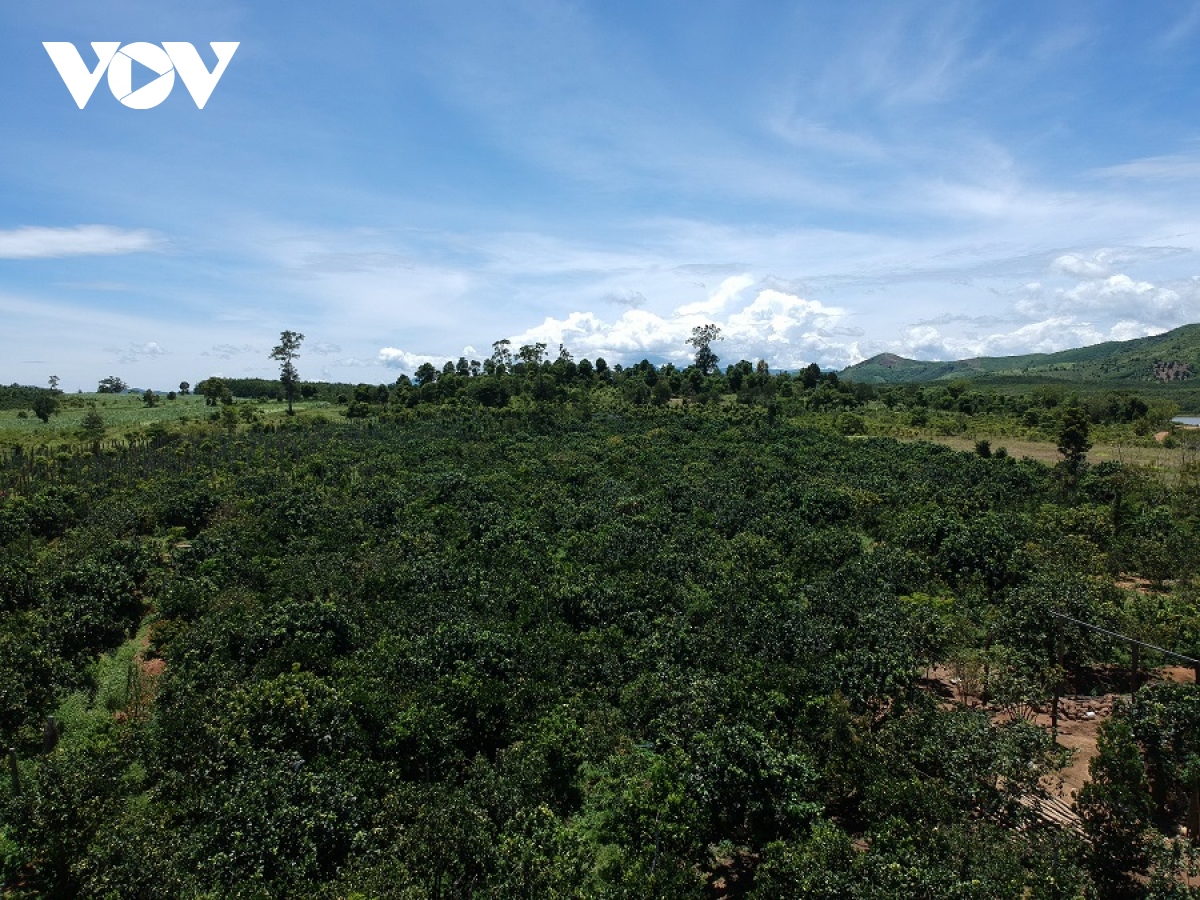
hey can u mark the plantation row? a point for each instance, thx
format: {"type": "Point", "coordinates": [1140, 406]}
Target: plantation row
{"type": "Point", "coordinates": [560, 653]}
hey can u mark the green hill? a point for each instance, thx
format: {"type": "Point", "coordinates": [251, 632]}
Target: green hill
{"type": "Point", "coordinates": [1170, 357]}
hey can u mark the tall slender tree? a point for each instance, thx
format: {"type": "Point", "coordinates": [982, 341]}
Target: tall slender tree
{"type": "Point", "coordinates": [285, 354]}
{"type": "Point", "coordinates": [702, 337]}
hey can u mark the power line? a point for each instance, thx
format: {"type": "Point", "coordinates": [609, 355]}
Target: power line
{"type": "Point", "coordinates": [1125, 637]}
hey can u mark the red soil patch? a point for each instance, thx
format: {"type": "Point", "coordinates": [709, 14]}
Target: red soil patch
{"type": "Point", "coordinates": [1079, 719]}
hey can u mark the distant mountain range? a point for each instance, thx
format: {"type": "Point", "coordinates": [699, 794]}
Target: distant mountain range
{"type": "Point", "coordinates": [1164, 358]}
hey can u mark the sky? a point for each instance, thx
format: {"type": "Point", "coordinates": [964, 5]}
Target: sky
{"type": "Point", "coordinates": [406, 181]}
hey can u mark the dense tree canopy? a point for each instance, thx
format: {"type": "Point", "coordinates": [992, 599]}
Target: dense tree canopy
{"type": "Point", "coordinates": [504, 635]}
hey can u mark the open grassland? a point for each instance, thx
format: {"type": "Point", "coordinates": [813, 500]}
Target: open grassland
{"type": "Point", "coordinates": [124, 413]}
{"type": "Point", "coordinates": [1159, 457]}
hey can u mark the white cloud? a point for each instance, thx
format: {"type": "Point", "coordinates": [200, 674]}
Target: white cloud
{"type": "Point", "coordinates": [1113, 298]}
{"type": "Point", "coordinates": [1071, 264]}
{"type": "Point", "coordinates": [1121, 295]}
{"type": "Point", "coordinates": [1103, 262]}
{"type": "Point", "coordinates": [1171, 167]}
{"type": "Point", "coordinates": [716, 301]}
{"type": "Point", "coordinates": [786, 330]}
{"type": "Point", "coordinates": [1048, 335]}
{"type": "Point", "coordinates": [135, 353]}
{"type": "Point", "coordinates": [82, 240]}
{"type": "Point", "coordinates": [229, 351]}
{"type": "Point", "coordinates": [1127, 331]}
{"type": "Point", "coordinates": [395, 358]}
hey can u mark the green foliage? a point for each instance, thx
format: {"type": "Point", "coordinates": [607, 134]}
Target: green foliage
{"type": "Point", "coordinates": [1116, 807]}
{"type": "Point", "coordinates": [45, 404]}
{"type": "Point", "coordinates": [93, 426]}
{"type": "Point", "coordinates": [285, 353]}
{"type": "Point", "coordinates": [702, 339]}
{"type": "Point", "coordinates": [1073, 440]}
{"type": "Point", "coordinates": [88, 713]}
{"type": "Point", "coordinates": [558, 647]}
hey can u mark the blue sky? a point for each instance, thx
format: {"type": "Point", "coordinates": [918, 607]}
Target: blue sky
{"type": "Point", "coordinates": [403, 181]}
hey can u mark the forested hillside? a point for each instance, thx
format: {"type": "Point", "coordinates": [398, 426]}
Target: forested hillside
{"type": "Point", "coordinates": [1165, 358]}
{"type": "Point", "coordinates": [559, 652]}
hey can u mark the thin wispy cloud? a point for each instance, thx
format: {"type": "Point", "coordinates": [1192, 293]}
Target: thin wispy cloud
{"type": "Point", "coordinates": [136, 353]}
{"type": "Point", "coordinates": [34, 242]}
{"type": "Point", "coordinates": [1172, 167]}
{"type": "Point", "coordinates": [229, 351]}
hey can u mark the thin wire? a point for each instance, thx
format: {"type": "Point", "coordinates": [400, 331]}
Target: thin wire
{"type": "Point", "coordinates": [1125, 637]}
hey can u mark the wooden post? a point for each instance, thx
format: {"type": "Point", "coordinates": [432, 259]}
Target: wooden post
{"type": "Point", "coordinates": [1136, 658]}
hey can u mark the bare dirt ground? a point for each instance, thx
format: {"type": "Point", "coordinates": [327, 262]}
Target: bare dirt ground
{"type": "Point", "coordinates": [1079, 719]}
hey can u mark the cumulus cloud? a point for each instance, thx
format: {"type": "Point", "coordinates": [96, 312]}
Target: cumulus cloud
{"type": "Point", "coordinates": [1106, 261]}
{"type": "Point", "coordinates": [82, 240]}
{"type": "Point", "coordinates": [395, 358]}
{"type": "Point", "coordinates": [1122, 295]}
{"type": "Point", "coordinates": [756, 322]}
{"type": "Point", "coordinates": [1127, 331]}
{"type": "Point", "coordinates": [136, 352]}
{"type": "Point", "coordinates": [1114, 297]}
{"type": "Point", "coordinates": [780, 322]}
{"type": "Point", "coordinates": [715, 302]}
{"type": "Point", "coordinates": [1071, 264]}
{"type": "Point", "coordinates": [1044, 336]}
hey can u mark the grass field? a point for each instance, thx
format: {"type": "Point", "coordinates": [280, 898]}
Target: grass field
{"type": "Point", "coordinates": [124, 413]}
{"type": "Point", "coordinates": [1158, 457]}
